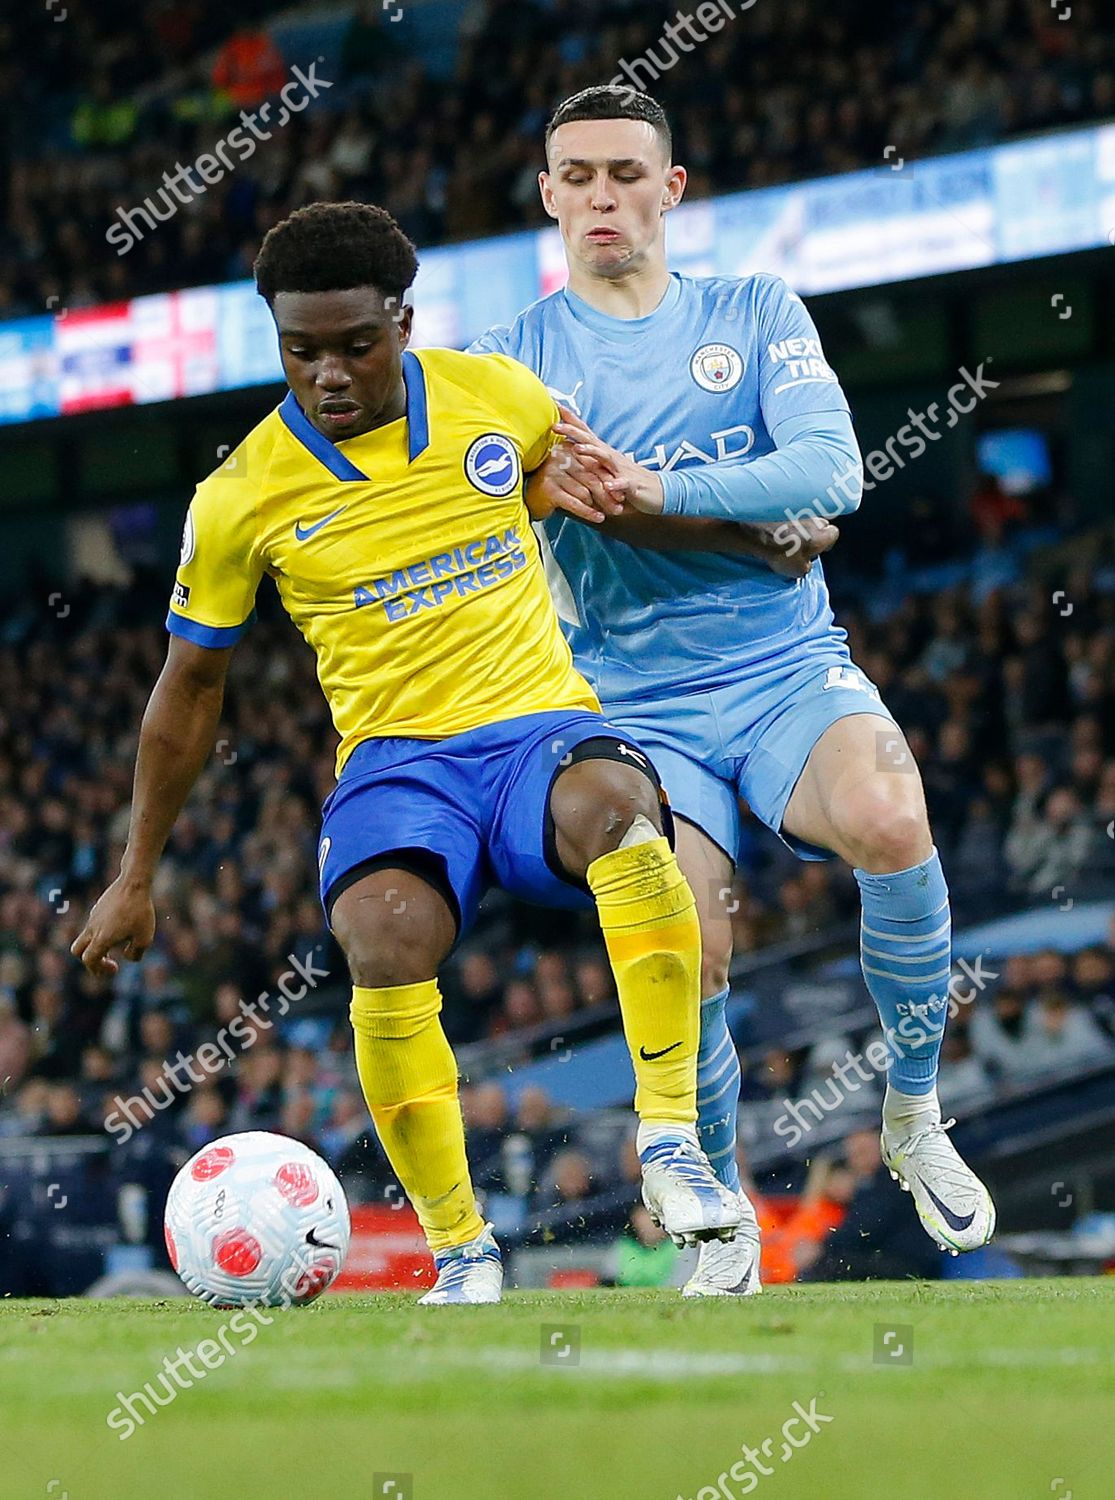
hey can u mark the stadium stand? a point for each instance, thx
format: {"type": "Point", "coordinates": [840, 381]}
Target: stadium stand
{"type": "Point", "coordinates": [414, 116]}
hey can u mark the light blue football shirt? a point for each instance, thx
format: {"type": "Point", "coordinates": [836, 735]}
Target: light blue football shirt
{"type": "Point", "coordinates": [699, 389]}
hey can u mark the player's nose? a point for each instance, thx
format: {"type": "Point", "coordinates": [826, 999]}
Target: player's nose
{"type": "Point", "coordinates": [603, 195]}
{"type": "Point", "coordinates": [333, 376]}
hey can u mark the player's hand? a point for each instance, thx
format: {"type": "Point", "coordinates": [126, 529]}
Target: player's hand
{"type": "Point", "coordinates": [626, 481]}
{"type": "Point", "coordinates": [123, 917]}
{"type": "Point", "coordinates": [571, 482]}
{"type": "Point", "coordinates": [790, 550]}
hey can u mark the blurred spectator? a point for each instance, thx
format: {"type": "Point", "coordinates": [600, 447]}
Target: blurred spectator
{"type": "Point", "coordinates": [1051, 849]}
{"type": "Point", "coordinates": [997, 1029]}
{"type": "Point", "coordinates": [1093, 980]}
{"type": "Point", "coordinates": [963, 1077]}
{"type": "Point", "coordinates": [484, 1107]}
{"type": "Point", "coordinates": [347, 1122]}
{"type": "Point", "coordinates": [370, 49]}
{"type": "Point", "coordinates": [645, 1254]}
{"type": "Point", "coordinates": [880, 1237]}
{"type": "Point", "coordinates": [794, 1231]}
{"type": "Point", "coordinates": [994, 511]}
{"type": "Point", "coordinates": [779, 1077]}
{"type": "Point", "coordinates": [204, 1118]}
{"type": "Point", "coordinates": [63, 1111]}
{"type": "Point", "coordinates": [258, 1089]}
{"type": "Point", "coordinates": [594, 981]}
{"type": "Point", "coordinates": [570, 1174]}
{"type": "Point", "coordinates": [1060, 1037]}
{"type": "Point", "coordinates": [545, 1131]}
{"type": "Point", "coordinates": [248, 68]}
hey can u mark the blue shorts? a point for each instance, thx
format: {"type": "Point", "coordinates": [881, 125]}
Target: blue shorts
{"type": "Point", "coordinates": [471, 810]}
{"type": "Point", "coordinates": [749, 739]}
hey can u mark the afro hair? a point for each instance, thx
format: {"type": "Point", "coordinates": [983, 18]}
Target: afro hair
{"type": "Point", "coordinates": [333, 247]}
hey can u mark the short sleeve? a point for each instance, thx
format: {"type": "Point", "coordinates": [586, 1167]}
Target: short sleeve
{"type": "Point", "coordinates": [494, 341]}
{"type": "Point", "coordinates": [219, 570]}
{"type": "Point", "coordinates": [795, 379]}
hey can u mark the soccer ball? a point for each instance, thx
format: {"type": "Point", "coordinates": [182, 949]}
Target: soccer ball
{"type": "Point", "coordinates": [256, 1218]}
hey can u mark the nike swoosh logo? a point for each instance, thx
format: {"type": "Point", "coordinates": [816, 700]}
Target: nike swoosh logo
{"type": "Point", "coordinates": [650, 1056]}
{"type": "Point", "coordinates": [954, 1221]}
{"type": "Point", "coordinates": [304, 533]}
{"type": "Point", "coordinates": [312, 1239]}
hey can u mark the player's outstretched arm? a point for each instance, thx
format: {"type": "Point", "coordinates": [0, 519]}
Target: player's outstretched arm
{"type": "Point", "coordinates": [792, 555]}
{"type": "Point", "coordinates": [175, 740]}
{"type": "Point", "coordinates": [576, 477]}
{"type": "Point", "coordinates": [817, 456]}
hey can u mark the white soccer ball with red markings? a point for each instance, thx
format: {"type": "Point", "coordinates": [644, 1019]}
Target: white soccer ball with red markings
{"type": "Point", "coordinates": [256, 1218]}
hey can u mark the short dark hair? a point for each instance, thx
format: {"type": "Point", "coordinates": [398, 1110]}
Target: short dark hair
{"type": "Point", "coordinates": [610, 101]}
{"type": "Point", "coordinates": [333, 247]}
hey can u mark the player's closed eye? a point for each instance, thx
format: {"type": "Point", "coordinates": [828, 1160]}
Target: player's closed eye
{"type": "Point", "coordinates": [580, 179]}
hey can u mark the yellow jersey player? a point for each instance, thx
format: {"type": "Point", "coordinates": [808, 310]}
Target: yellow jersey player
{"type": "Point", "coordinates": [385, 497]}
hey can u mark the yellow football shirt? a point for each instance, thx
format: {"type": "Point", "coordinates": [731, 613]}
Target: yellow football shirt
{"type": "Point", "coordinates": [405, 556]}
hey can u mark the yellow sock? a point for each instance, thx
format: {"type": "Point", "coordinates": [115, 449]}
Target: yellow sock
{"type": "Point", "coordinates": [409, 1077]}
{"type": "Point", "coordinates": [649, 919]}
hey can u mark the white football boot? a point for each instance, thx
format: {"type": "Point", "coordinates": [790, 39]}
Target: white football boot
{"type": "Point", "coordinates": [729, 1268]}
{"type": "Point", "coordinates": [954, 1206]}
{"type": "Point", "coordinates": [472, 1272]}
{"type": "Point", "coordinates": [683, 1195]}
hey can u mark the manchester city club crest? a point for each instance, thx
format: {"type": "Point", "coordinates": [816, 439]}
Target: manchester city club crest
{"type": "Point", "coordinates": [716, 367]}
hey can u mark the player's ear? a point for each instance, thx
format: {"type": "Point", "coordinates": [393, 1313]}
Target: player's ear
{"type": "Point", "coordinates": [406, 318]}
{"type": "Point", "coordinates": [547, 194]}
{"type": "Point", "coordinates": [674, 188]}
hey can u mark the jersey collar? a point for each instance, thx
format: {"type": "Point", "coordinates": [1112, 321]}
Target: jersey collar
{"type": "Point", "coordinates": [337, 462]}
{"type": "Point", "coordinates": [624, 329]}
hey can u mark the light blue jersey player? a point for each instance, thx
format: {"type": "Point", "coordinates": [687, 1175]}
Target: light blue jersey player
{"type": "Point", "coordinates": [705, 430]}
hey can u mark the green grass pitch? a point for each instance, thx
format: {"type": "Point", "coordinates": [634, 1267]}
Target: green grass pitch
{"type": "Point", "coordinates": [1002, 1391]}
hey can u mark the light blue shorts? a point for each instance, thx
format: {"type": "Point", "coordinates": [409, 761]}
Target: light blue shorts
{"type": "Point", "coordinates": [749, 739]}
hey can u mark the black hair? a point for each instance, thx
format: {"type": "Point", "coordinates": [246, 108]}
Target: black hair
{"type": "Point", "coordinates": [333, 247]}
{"type": "Point", "coordinates": [610, 101]}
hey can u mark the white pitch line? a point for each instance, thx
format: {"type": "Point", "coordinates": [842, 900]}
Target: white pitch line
{"type": "Point", "coordinates": [417, 1366]}
{"type": "Point", "coordinates": [666, 1364]}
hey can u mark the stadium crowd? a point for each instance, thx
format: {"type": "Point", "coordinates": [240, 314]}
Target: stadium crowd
{"type": "Point", "coordinates": [117, 98]}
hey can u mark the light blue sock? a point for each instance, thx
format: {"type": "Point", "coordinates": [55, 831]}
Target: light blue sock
{"type": "Point", "coordinates": [718, 1078]}
{"type": "Point", "coordinates": [906, 953]}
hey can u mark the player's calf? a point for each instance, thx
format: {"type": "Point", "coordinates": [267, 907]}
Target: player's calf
{"type": "Point", "coordinates": [395, 929]}
{"type": "Point", "coordinates": [652, 934]}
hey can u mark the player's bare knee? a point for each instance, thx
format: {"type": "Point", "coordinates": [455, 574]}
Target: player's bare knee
{"type": "Point", "coordinates": [393, 929]}
{"type": "Point", "coordinates": [594, 805]}
{"type": "Point", "coordinates": [891, 832]}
